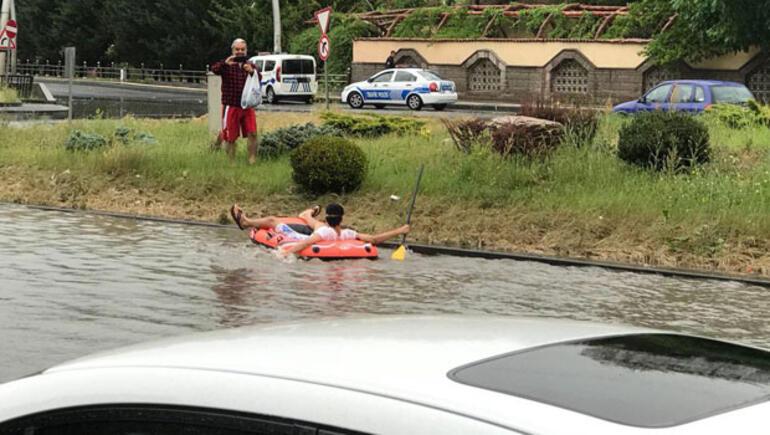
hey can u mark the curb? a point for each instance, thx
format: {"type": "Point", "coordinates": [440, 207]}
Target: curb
{"type": "Point", "coordinates": [457, 252]}
{"type": "Point", "coordinates": [118, 84]}
{"type": "Point", "coordinates": [460, 105]}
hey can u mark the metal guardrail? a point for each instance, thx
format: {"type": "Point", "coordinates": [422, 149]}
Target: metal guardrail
{"type": "Point", "coordinates": [336, 83]}
{"type": "Point", "coordinates": [21, 83]}
{"type": "Point", "coordinates": [117, 72]}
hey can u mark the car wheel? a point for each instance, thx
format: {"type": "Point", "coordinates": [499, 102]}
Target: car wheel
{"type": "Point", "coordinates": [379, 106]}
{"type": "Point", "coordinates": [439, 107]}
{"type": "Point", "coordinates": [414, 102]}
{"type": "Point", "coordinates": [270, 96]}
{"type": "Point", "coordinates": [355, 100]}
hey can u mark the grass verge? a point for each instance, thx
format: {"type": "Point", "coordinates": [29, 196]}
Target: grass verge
{"type": "Point", "coordinates": [580, 202]}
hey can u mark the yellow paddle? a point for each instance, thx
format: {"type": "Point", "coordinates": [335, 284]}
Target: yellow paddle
{"type": "Point", "coordinates": [400, 253]}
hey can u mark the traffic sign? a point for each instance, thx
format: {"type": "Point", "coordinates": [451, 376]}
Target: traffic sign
{"type": "Point", "coordinates": [323, 47]}
{"type": "Point", "coordinates": [10, 28]}
{"type": "Point", "coordinates": [8, 36]}
{"type": "Point", "coordinates": [323, 17]}
{"type": "Point", "coordinates": [6, 42]}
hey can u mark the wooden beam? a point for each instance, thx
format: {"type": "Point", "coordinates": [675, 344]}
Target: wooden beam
{"type": "Point", "coordinates": [394, 23]}
{"type": "Point", "coordinates": [444, 18]}
{"type": "Point", "coordinates": [602, 27]}
{"type": "Point", "coordinates": [541, 30]}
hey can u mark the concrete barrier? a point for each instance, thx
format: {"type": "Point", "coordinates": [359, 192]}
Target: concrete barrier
{"type": "Point", "coordinates": [215, 102]}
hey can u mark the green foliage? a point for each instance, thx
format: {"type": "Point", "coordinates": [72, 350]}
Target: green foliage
{"type": "Point", "coordinates": [419, 24]}
{"type": "Point", "coordinates": [585, 27]}
{"type": "Point", "coordinates": [705, 29]}
{"type": "Point", "coordinates": [328, 164]}
{"type": "Point", "coordinates": [460, 25]}
{"type": "Point", "coordinates": [499, 25]}
{"type": "Point", "coordinates": [372, 125]}
{"type": "Point", "coordinates": [286, 139]}
{"type": "Point", "coordinates": [343, 29]}
{"type": "Point", "coordinates": [85, 141]}
{"type": "Point", "coordinates": [8, 95]}
{"type": "Point", "coordinates": [532, 19]}
{"type": "Point", "coordinates": [740, 117]}
{"type": "Point", "coordinates": [82, 141]}
{"type": "Point", "coordinates": [664, 140]}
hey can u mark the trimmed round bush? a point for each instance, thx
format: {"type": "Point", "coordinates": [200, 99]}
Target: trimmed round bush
{"type": "Point", "coordinates": [663, 140]}
{"type": "Point", "coordinates": [328, 164]}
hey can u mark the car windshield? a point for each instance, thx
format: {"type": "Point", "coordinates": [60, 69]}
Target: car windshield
{"type": "Point", "coordinates": [298, 66]}
{"type": "Point", "coordinates": [731, 94]}
{"type": "Point", "coordinates": [430, 75]}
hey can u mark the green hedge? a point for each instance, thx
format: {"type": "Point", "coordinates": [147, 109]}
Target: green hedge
{"type": "Point", "coordinates": [328, 164]}
{"type": "Point", "coordinates": [664, 140]}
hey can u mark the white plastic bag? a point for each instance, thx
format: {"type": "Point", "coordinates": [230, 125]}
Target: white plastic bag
{"type": "Point", "coordinates": [252, 92]}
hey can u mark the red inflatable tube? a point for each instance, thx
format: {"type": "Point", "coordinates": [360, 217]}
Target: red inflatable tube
{"type": "Point", "coordinates": [331, 250]}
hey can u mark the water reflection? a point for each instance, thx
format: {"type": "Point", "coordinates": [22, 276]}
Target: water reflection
{"type": "Point", "coordinates": [73, 284]}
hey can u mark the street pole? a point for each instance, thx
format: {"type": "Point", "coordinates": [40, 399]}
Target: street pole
{"type": "Point", "coordinates": [326, 81]}
{"type": "Point", "coordinates": [276, 27]}
{"type": "Point", "coordinates": [5, 14]}
{"type": "Point", "coordinates": [12, 69]}
{"type": "Point", "coordinates": [69, 69]}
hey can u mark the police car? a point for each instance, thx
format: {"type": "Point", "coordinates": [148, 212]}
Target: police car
{"type": "Point", "coordinates": [413, 87]}
{"type": "Point", "coordinates": [287, 77]}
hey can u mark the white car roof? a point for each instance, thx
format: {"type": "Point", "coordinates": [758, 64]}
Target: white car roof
{"type": "Point", "coordinates": [406, 358]}
{"type": "Point", "coordinates": [283, 56]}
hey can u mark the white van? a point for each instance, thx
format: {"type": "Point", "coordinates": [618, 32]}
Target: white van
{"type": "Point", "coordinates": [287, 77]}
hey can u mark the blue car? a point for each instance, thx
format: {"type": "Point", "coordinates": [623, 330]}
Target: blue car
{"type": "Point", "coordinates": [687, 96]}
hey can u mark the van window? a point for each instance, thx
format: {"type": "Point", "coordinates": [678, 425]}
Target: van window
{"type": "Point", "coordinates": [659, 94]}
{"type": "Point", "coordinates": [298, 66]}
{"type": "Point", "coordinates": [682, 94]}
{"type": "Point", "coordinates": [269, 65]}
{"type": "Point", "coordinates": [731, 94]}
{"type": "Point", "coordinates": [260, 64]}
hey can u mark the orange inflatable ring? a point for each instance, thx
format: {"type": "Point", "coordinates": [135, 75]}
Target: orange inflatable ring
{"type": "Point", "coordinates": [325, 250]}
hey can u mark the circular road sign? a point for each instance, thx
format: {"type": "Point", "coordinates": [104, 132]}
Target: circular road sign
{"type": "Point", "coordinates": [10, 28]}
{"type": "Point", "coordinates": [323, 48]}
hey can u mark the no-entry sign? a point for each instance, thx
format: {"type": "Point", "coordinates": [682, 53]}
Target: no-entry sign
{"type": "Point", "coordinates": [323, 48]}
{"type": "Point", "coordinates": [10, 28]}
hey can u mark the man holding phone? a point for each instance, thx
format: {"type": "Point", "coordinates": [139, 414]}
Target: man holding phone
{"type": "Point", "coordinates": [237, 121]}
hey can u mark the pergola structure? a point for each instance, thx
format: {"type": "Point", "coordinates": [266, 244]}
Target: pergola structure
{"type": "Point", "coordinates": [387, 21]}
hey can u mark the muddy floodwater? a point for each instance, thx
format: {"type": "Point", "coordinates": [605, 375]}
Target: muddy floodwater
{"type": "Point", "coordinates": [73, 284]}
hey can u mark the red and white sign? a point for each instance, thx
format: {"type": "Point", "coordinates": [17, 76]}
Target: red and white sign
{"type": "Point", "coordinates": [8, 36]}
{"type": "Point", "coordinates": [10, 28]}
{"type": "Point", "coordinates": [323, 17]}
{"type": "Point", "coordinates": [323, 48]}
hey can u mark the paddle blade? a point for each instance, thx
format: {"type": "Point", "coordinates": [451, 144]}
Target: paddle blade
{"type": "Point", "coordinates": [399, 254]}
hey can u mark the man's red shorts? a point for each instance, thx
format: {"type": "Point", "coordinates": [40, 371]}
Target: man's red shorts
{"type": "Point", "coordinates": [238, 121]}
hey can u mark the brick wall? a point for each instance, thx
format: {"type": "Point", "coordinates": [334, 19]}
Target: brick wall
{"type": "Point", "coordinates": [613, 80]}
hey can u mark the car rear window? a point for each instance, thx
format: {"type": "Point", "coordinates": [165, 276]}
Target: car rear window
{"type": "Point", "coordinates": [645, 380]}
{"type": "Point", "coordinates": [430, 75]}
{"type": "Point", "coordinates": [731, 94]}
{"type": "Point", "coordinates": [298, 66]}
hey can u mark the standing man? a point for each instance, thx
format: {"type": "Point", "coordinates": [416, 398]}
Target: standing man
{"type": "Point", "coordinates": [391, 61]}
{"type": "Point", "coordinates": [235, 119]}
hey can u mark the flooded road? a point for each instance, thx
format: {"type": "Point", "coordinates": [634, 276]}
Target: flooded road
{"type": "Point", "coordinates": [73, 284]}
